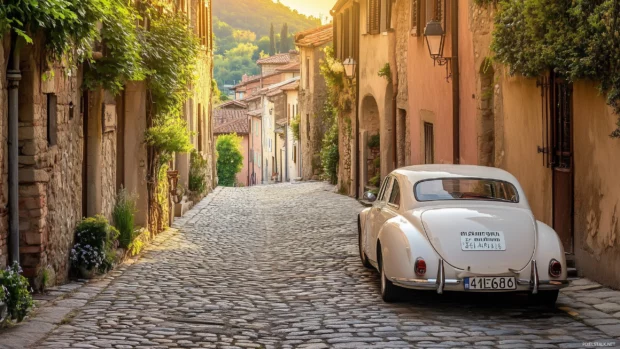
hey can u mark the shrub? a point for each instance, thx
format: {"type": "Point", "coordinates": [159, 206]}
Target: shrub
{"type": "Point", "coordinates": [229, 159]}
{"type": "Point", "coordinates": [197, 175]}
{"type": "Point", "coordinates": [95, 244]}
{"type": "Point", "coordinates": [123, 215]}
{"type": "Point", "coordinates": [295, 126]}
{"type": "Point", "coordinates": [16, 292]}
{"type": "Point", "coordinates": [374, 181]}
{"type": "Point", "coordinates": [374, 141]}
{"type": "Point", "coordinates": [137, 245]}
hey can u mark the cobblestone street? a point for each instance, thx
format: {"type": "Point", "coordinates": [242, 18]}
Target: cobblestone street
{"type": "Point", "coordinates": [277, 267]}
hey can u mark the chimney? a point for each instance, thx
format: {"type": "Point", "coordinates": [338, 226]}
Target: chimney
{"type": "Point", "coordinates": [244, 78]}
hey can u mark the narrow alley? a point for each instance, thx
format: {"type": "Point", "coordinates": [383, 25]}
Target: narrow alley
{"type": "Point", "coordinates": [239, 275]}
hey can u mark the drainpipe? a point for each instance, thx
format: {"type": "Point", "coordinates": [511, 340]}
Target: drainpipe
{"type": "Point", "coordinates": [357, 129]}
{"type": "Point", "coordinates": [13, 76]}
{"type": "Point", "coordinates": [456, 107]}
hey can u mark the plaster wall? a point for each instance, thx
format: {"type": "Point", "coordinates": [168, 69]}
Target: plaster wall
{"type": "Point", "coordinates": [430, 97]}
{"type": "Point", "coordinates": [523, 117]}
{"type": "Point", "coordinates": [597, 193]}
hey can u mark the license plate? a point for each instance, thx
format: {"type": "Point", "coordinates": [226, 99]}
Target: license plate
{"type": "Point", "coordinates": [483, 241]}
{"type": "Point", "coordinates": [490, 283]}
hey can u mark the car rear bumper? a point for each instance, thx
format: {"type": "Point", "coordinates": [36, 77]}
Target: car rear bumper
{"type": "Point", "coordinates": [440, 284]}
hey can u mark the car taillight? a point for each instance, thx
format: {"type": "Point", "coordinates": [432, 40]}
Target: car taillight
{"type": "Point", "coordinates": [555, 268]}
{"type": "Point", "coordinates": [420, 267]}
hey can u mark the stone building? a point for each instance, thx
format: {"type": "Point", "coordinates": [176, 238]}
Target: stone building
{"type": "Point", "coordinates": [312, 98]}
{"type": "Point", "coordinates": [270, 64]}
{"type": "Point", "coordinates": [77, 148]}
{"type": "Point", "coordinates": [458, 108]}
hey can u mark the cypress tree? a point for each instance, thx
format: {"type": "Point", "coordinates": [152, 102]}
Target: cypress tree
{"type": "Point", "coordinates": [272, 42]}
{"type": "Point", "coordinates": [284, 43]}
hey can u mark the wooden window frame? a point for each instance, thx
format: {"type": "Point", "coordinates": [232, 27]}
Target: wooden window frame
{"type": "Point", "coordinates": [429, 143]}
{"type": "Point", "coordinates": [416, 25]}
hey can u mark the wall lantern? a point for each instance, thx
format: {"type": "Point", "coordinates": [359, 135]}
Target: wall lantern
{"type": "Point", "coordinates": [435, 40]}
{"type": "Point", "coordinates": [349, 68]}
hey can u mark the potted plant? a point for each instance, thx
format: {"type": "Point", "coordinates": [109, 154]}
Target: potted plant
{"type": "Point", "coordinates": [94, 247]}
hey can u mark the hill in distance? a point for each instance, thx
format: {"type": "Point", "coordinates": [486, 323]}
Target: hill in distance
{"type": "Point", "coordinates": [258, 15]}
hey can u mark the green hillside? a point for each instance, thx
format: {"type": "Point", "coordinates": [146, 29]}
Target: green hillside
{"type": "Point", "coordinates": [258, 15]}
{"type": "Point", "coordinates": [242, 35]}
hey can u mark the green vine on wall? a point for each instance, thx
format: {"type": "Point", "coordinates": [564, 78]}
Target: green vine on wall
{"type": "Point", "coordinates": [576, 39]}
{"type": "Point", "coordinates": [386, 72]}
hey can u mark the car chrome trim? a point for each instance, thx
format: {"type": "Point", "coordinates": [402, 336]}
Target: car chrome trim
{"type": "Point", "coordinates": [441, 277]}
{"type": "Point", "coordinates": [534, 277]}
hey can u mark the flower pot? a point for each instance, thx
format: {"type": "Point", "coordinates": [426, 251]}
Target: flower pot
{"type": "Point", "coordinates": [87, 273]}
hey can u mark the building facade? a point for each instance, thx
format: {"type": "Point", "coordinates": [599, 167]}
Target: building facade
{"type": "Point", "coordinates": [77, 148]}
{"type": "Point", "coordinates": [312, 98]}
{"type": "Point", "coordinates": [463, 107]}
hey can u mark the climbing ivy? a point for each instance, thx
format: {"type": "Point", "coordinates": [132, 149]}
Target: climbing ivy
{"type": "Point", "coordinates": [576, 39]}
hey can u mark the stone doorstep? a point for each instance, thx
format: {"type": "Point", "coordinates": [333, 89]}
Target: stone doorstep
{"type": "Point", "coordinates": [603, 314]}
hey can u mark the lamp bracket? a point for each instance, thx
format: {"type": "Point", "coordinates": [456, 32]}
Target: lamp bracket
{"type": "Point", "coordinates": [447, 61]}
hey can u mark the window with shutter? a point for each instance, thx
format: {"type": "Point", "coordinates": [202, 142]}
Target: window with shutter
{"type": "Point", "coordinates": [415, 18]}
{"type": "Point", "coordinates": [434, 10]}
{"type": "Point", "coordinates": [373, 16]}
{"type": "Point", "coordinates": [389, 4]}
{"type": "Point", "coordinates": [345, 35]}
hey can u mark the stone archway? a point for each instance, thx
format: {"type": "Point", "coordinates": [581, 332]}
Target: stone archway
{"type": "Point", "coordinates": [370, 141]}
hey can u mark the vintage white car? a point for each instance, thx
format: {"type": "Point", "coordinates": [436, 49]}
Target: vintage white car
{"type": "Point", "coordinates": [459, 228]}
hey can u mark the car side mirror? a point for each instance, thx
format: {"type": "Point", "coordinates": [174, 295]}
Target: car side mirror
{"type": "Point", "coordinates": [370, 196]}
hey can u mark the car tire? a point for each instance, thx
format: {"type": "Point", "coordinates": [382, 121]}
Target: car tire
{"type": "Point", "coordinates": [388, 289]}
{"type": "Point", "coordinates": [545, 298]}
{"type": "Point", "coordinates": [363, 257]}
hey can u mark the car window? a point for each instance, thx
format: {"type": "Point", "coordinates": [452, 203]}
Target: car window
{"type": "Point", "coordinates": [384, 189]}
{"type": "Point", "coordinates": [395, 195]}
{"type": "Point", "coordinates": [465, 189]}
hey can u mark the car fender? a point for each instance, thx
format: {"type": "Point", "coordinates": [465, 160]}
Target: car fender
{"type": "Point", "coordinates": [362, 217]}
{"type": "Point", "coordinates": [401, 244]}
{"type": "Point", "coordinates": [548, 246]}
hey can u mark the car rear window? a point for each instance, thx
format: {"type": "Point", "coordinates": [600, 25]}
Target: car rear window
{"type": "Point", "coordinates": [465, 189]}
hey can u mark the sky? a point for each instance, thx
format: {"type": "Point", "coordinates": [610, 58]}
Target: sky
{"type": "Point", "coordinates": [317, 8]}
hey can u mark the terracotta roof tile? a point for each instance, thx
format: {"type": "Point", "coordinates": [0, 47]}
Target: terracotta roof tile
{"type": "Point", "coordinates": [280, 58]}
{"type": "Point", "coordinates": [223, 116]}
{"type": "Point", "coordinates": [314, 37]}
{"type": "Point", "coordinates": [229, 104]}
{"type": "Point", "coordinates": [239, 126]}
{"type": "Point", "coordinates": [292, 67]}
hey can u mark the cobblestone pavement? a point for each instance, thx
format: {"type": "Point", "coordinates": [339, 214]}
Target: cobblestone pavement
{"type": "Point", "coordinates": [277, 267]}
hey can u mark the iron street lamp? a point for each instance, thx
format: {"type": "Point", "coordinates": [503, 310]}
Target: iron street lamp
{"type": "Point", "coordinates": [349, 68]}
{"type": "Point", "coordinates": [435, 40]}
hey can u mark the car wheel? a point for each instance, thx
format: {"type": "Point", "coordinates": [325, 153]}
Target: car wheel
{"type": "Point", "coordinates": [388, 289]}
{"type": "Point", "coordinates": [546, 298]}
{"type": "Point", "coordinates": [363, 257]}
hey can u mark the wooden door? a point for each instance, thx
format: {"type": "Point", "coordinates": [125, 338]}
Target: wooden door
{"type": "Point", "coordinates": [562, 159]}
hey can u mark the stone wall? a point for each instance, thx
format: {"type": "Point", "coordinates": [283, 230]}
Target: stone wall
{"type": "Point", "coordinates": [346, 149]}
{"type": "Point", "coordinates": [402, 17]}
{"type": "Point", "coordinates": [311, 107]}
{"type": "Point", "coordinates": [50, 176]}
{"type": "Point", "coordinates": [4, 185]}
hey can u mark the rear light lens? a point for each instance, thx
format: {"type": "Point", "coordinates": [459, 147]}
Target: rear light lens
{"type": "Point", "coordinates": [420, 267]}
{"type": "Point", "coordinates": [555, 268]}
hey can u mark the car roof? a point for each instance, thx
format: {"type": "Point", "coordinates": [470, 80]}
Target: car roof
{"type": "Point", "coordinates": [421, 172]}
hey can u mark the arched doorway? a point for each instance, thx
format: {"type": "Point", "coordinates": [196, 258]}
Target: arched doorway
{"type": "Point", "coordinates": [370, 144]}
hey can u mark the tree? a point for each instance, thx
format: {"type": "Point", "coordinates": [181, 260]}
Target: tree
{"type": "Point", "coordinates": [229, 158]}
{"type": "Point", "coordinates": [284, 44]}
{"type": "Point", "coordinates": [263, 46]}
{"type": "Point", "coordinates": [272, 41]}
